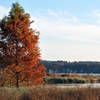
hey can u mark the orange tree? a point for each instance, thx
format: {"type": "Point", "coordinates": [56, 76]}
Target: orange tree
{"type": "Point", "coordinates": [19, 51]}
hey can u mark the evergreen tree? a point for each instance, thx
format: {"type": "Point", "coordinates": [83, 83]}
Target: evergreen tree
{"type": "Point", "coordinates": [19, 51]}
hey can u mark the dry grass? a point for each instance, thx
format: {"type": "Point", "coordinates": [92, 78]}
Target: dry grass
{"type": "Point", "coordinates": [86, 78]}
{"type": "Point", "coordinates": [49, 93]}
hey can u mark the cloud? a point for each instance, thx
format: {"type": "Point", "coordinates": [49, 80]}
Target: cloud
{"type": "Point", "coordinates": [53, 13]}
{"type": "Point", "coordinates": [58, 13]}
{"type": "Point", "coordinates": [71, 52]}
{"type": "Point", "coordinates": [68, 39]}
{"type": "Point", "coordinates": [75, 19]}
{"type": "Point", "coordinates": [3, 11]}
{"type": "Point", "coordinates": [96, 13]}
{"type": "Point", "coordinates": [66, 30]}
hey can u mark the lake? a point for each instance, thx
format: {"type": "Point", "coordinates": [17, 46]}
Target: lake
{"type": "Point", "coordinates": [96, 85]}
{"type": "Point", "coordinates": [94, 74]}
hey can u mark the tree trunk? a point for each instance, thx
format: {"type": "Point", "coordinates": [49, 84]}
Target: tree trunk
{"type": "Point", "coordinates": [17, 77]}
{"type": "Point", "coordinates": [17, 84]}
{"type": "Point", "coordinates": [17, 80]}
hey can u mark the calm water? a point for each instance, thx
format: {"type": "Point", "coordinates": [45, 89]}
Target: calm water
{"type": "Point", "coordinates": [77, 74]}
{"type": "Point", "coordinates": [96, 85]}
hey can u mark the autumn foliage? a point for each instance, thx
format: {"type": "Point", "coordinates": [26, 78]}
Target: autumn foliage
{"type": "Point", "coordinates": [19, 51]}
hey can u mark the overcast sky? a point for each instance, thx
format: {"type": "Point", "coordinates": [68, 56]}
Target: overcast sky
{"type": "Point", "coordinates": [69, 29]}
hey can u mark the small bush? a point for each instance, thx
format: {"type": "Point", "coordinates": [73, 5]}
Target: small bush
{"type": "Point", "coordinates": [77, 81]}
{"type": "Point", "coordinates": [57, 81]}
{"type": "Point", "coordinates": [63, 81]}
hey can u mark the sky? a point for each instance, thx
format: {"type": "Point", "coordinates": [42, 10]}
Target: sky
{"type": "Point", "coordinates": [69, 29]}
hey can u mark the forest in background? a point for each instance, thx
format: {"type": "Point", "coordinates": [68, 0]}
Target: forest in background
{"type": "Point", "coordinates": [88, 67]}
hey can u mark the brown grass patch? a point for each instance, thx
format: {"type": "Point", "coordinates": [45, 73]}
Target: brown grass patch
{"type": "Point", "coordinates": [49, 93]}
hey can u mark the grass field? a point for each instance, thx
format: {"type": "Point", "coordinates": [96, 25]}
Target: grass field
{"type": "Point", "coordinates": [52, 92]}
{"type": "Point", "coordinates": [48, 93]}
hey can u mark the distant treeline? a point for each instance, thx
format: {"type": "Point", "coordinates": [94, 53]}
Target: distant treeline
{"type": "Point", "coordinates": [72, 67]}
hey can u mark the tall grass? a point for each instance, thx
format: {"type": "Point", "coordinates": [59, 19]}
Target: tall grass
{"type": "Point", "coordinates": [49, 93]}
